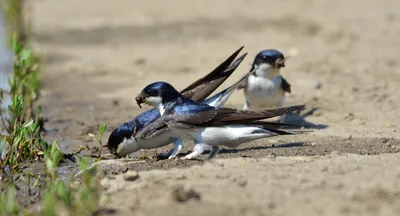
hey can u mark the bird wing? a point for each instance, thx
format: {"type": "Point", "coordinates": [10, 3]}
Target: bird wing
{"type": "Point", "coordinates": [153, 129]}
{"type": "Point", "coordinates": [197, 91]}
{"type": "Point", "coordinates": [285, 86]}
{"type": "Point", "coordinates": [203, 87]}
{"type": "Point", "coordinates": [221, 116]}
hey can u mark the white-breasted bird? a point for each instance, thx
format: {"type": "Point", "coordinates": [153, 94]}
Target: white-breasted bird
{"type": "Point", "coordinates": [209, 126]}
{"type": "Point", "coordinates": [147, 131]}
{"type": "Point", "coordinates": [266, 88]}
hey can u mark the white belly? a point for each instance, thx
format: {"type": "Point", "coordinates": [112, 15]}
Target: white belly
{"type": "Point", "coordinates": [131, 145]}
{"type": "Point", "coordinates": [264, 93]}
{"type": "Point", "coordinates": [230, 136]}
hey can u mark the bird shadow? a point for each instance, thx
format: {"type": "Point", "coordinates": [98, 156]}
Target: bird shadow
{"type": "Point", "coordinates": [256, 148]}
{"type": "Point", "coordinates": [234, 150]}
{"type": "Point", "coordinates": [297, 118]}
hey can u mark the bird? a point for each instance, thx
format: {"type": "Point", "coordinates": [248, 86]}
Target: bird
{"type": "Point", "coordinates": [266, 88]}
{"type": "Point", "coordinates": [209, 126]}
{"type": "Point", "coordinates": [147, 131]}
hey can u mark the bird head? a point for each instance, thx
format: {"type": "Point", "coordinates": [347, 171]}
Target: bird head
{"type": "Point", "coordinates": [122, 141]}
{"type": "Point", "coordinates": [156, 94]}
{"type": "Point", "coordinates": [269, 61]}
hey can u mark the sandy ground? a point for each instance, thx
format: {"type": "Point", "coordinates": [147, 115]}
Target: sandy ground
{"type": "Point", "coordinates": [344, 62]}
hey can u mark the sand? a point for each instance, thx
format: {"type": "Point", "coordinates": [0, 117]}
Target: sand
{"type": "Point", "coordinates": [344, 66]}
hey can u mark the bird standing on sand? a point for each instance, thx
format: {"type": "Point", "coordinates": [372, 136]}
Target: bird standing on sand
{"type": "Point", "coordinates": [147, 131]}
{"type": "Point", "coordinates": [266, 88]}
{"type": "Point", "coordinates": [209, 126]}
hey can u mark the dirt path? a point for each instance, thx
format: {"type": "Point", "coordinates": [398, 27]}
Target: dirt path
{"type": "Point", "coordinates": [100, 54]}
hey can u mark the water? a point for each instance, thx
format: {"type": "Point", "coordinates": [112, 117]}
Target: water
{"type": "Point", "coordinates": [6, 67]}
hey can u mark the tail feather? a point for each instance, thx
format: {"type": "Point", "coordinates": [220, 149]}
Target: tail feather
{"type": "Point", "coordinates": [277, 124]}
{"type": "Point", "coordinates": [280, 132]}
{"type": "Point", "coordinates": [233, 116]}
{"type": "Point", "coordinates": [275, 127]}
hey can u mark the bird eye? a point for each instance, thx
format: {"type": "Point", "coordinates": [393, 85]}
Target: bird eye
{"type": "Point", "coordinates": [151, 92]}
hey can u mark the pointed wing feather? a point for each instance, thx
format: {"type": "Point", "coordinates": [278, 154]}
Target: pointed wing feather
{"type": "Point", "coordinates": [198, 90]}
{"type": "Point", "coordinates": [153, 129]}
{"type": "Point", "coordinates": [285, 86]}
{"type": "Point", "coordinates": [215, 72]}
{"type": "Point", "coordinates": [204, 89]}
{"type": "Point", "coordinates": [223, 116]}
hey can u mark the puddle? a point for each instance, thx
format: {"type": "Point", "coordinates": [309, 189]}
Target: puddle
{"type": "Point", "coordinates": [6, 60]}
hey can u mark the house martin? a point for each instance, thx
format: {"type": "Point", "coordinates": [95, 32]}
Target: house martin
{"type": "Point", "coordinates": [209, 126]}
{"type": "Point", "coordinates": [146, 130]}
{"type": "Point", "coordinates": [266, 88]}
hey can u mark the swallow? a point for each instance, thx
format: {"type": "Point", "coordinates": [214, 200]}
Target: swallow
{"type": "Point", "coordinates": [266, 88]}
{"type": "Point", "coordinates": [147, 131]}
{"type": "Point", "coordinates": [209, 126]}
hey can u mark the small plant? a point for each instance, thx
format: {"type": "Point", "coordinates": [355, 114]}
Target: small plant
{"type": "Point", "coordinates": [88, 194]}
{"type": "Point", "coordinates": [57, 191]}
{"type": "Point", "coordinates": [75, 199]}
{"type": "Point", "coordinates": [98, 136]}
{"type": "Point", "coordinates": [28, 181]}
{"type": "Point", "coordinates": [52, 157]}
{"type": "Point", "coordinates": [22, 140]}
{"type": "Point", "coordinates": [8, 204]}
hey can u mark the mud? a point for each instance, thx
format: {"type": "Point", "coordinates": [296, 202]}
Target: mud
{"type": "Point", "coordinates": [344, 66]}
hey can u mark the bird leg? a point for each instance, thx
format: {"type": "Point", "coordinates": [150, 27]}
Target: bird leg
{"type": "Point", "coordinates": [176, 149]}
{"type": "Point", "coordinates": [214, 151]}
{"type": "Point", "coordinates": [246, 105]}
{"type": "Point", "coordinates": [199, 148]}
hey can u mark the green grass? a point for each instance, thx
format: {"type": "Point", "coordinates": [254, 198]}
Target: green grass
{"type": "Point", "coordinates": [80, 198]}
{"type": "Point", "coordinates": [23, 143]}
{"type": "Point", "coordinates": [22, 140]}
{"type": "Point", "coordinates": [97, 137]}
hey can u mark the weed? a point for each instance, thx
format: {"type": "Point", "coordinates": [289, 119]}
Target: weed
{"type": "Point", "coordinates": [75, 199]}
{"type": "Point", "coordinates": [98, 136]}
{"type": "Point", "coordinates": [8, 204]}
{"type": "Point", "coordinates": [22, 141]}
{"type": "Point", "coordinates": [52, 157]}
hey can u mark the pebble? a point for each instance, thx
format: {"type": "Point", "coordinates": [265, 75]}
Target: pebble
{"type": "Point", "coordinates": [183, 194]}
{"type": "Point", "coordinates": [335, 153]}
{"type": "Point", "coordinates": [349, 116]}
{"type": "Point", "coordinates": [131, 176]}
{"type": "Point", "coordinates": [241, 182]}
{"type": "Point", "coordinates": [349, 137]}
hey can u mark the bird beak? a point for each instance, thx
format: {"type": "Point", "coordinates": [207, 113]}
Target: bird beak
{"type": "Point", "coordinates": [280, 63]}
{"type": "Point", "coordinates": [140, 100]}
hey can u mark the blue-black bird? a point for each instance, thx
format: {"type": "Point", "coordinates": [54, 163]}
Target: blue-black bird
{"type": "Point", "coordinates": [147, 131]}
{"type": "Point", "coordinates": [209, 126]}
